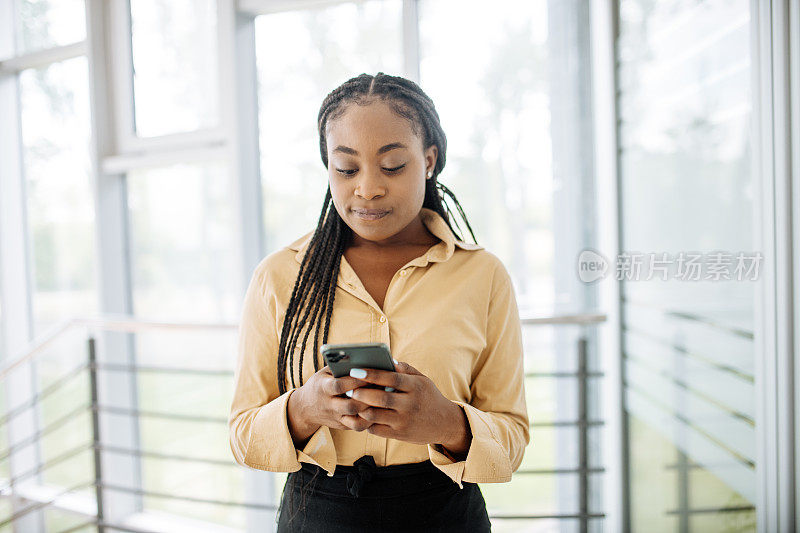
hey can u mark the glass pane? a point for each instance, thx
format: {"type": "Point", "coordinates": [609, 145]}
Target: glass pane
{"type": "Point", "coordinates": [188, 478]}
{"type": "Point", "coordinates": [64, 414]}
{"type": "Point", "coordinates": [184, 254]}
{"type": "Point", "coordinates": [192, 456]}
{"type": "Point", "coordinates": [686, 186]}
{"type": "Point", "coordinates": [59, 520]}
{"type": "Point", "coordinates": [533, 494]}
{"type": "Point", "coordinates": [55, 133]}
{"type": "Point", "coordinates": [302, 56]}
{"type": "Point", "coordinates": [487, 77]}
{"type": "Point", "coordinates": [542, 525]}
{"type": "Point", "coordinates": [677, 485]}
{"type": "Point", "coordinates": [174, 48]}
{"type": "Point", "coordinates": [550, 448]}
{"type": "Point", "coordinates": [48, 23]}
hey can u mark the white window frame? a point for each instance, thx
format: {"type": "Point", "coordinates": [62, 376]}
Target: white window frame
{"type": "Point", "coordinates": [776, 308]}
{"type": "Point", "coordinates": [132, 150]}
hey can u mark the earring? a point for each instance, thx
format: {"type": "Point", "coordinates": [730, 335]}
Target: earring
{"type": "Point", "coordinates": [430, 174]}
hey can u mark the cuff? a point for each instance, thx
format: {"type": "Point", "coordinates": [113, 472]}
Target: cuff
{"type": "Point", "coordinates": [271, 446]}
{"type": "Point", "coordinates": [486, 462]}
{"type": "Point", "coordinates": [320, 450]}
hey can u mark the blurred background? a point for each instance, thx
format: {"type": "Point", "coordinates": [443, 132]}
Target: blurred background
{"type": "Point", "coordinates": [153, 151]}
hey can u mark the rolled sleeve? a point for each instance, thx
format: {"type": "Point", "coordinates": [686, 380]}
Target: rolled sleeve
{"type": "Point", "coordinates": [258, 422]}
{"type": "Point", "coordinates": [497, 413]}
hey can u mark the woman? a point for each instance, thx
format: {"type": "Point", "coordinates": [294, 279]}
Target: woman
{"type": "Point", "coordinates": [383, 265]}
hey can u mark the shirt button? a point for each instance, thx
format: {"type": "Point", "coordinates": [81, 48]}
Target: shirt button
{"type": "Point", "coordinates": [383, 318]}
{"type": "Point", "coordinates": [403, 272]}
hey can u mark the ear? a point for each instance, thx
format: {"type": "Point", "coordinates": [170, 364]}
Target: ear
{"type": "Point", "coordinates": [431, 155]}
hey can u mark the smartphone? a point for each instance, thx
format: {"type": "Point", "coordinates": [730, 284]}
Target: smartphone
{"type": "Point", "coordinates": [342, 357]}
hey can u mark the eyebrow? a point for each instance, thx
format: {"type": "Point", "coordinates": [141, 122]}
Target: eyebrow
{"type": "Point", "coordinates": [381, 150]}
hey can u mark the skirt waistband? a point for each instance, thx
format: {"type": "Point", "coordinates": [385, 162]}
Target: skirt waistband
{"type": "Point", "coordinates": [352, 479]}
{"type": "Point", "coordinates": [382, 472]}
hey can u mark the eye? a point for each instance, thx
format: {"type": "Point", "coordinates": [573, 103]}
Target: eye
{"type": "Point", "coordinates": [395, 169]}
{"type": "Point", "coordinates": [350, 172]}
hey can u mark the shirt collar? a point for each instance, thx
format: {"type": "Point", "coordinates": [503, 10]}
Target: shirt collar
{"type": "Point", "coordinates": [436, 225]}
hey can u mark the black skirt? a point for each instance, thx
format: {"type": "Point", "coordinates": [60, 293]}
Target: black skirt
{"type": "Point", "coordinates": [365, 497]}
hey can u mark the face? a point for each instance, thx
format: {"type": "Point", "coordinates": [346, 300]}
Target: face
{"type": "Point", "coordinates": [377, 170]}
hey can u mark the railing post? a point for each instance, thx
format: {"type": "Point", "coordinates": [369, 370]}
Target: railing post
{"type": "Point", "coordinates": [583, 428]}
{"type": "Point", "coordinates": [96, 442]}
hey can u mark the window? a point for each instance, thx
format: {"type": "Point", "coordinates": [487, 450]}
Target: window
{"type": "Point", "coordinates": [174, 49]}
{"type": "Point", "coordinates": [687, 185]}
{"type": "Point", "coordinates": [302, 55]}
{"type": "Point", "coordinates": [48, 23]}
{"type": "Point", "coordinates": [55, 133]}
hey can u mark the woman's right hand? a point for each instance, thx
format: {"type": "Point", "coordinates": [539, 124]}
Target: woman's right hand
{"type": "Point", "coordinates": [318, 402]}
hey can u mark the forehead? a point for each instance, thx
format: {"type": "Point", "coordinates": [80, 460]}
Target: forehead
{"type": "Point", "coordinates": [375, 124]}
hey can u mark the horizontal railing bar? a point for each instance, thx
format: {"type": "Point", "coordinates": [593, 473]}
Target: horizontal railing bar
{"type": "Point", "coordinates": [44, 393]}
{"type": "Point", "coordinates": [162, 369]}
{"type": "Point", "coordinates": [44, 431]}
{"type": "Point", "coordinates": [689, 354]}
{"type": "Point", "coordinates": [563, 374]}
{"type": "Point", "coordinates": [155, 414]}
{"type": "Point", "coordinates": [593, 470]}
{"type": "Point", "coordinates": [81, 526]}
{"type": "Point", "coordinates": [691, 465]}
{"type": "Point", "coordinates": [245, 505]}
{"type": "Point", "coordinates": [685, 315]}
{"type": "Point", "coordinates": [158, 455]}
{"type": "Point", "coordinates": [141, 492]}
{"type": "Point", "coordinates": [705, 397]}
{"type": "Point", "coordinates": [733, 453]}
{"type": "Point", "coordinates": [41, 467]}
{"type": "Point", "coordinates": [39, 505]}
{"type": "Point", "coordinates": [704, 510]}
{"type": "Point", "coordinates": [563, 423]}
{"type": "Point", "coordinates": [126, 323]}
{"type": "Point", "coordinates": [548, 516]}
{"type": "Point", "coordinates": [581, 318]}
{"type": "Point", "coordinates": [118, 527]}
{"type": "Point", "coordinates": [108, 322]}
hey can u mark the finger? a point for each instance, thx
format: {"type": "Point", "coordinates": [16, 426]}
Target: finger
{"type": "Point", "coordinates": [377, 397]}
{"type": "Point", "coordinates": [405, 368]}
{"type": "Point", "coordinates": [384, 378]}
{"type": "Point", "coordinates": [376, 415]}
{"type": "Point", "coordinates": [346, 406]}
{"type": "Point", "coordinates": [381, 430]}
{"type": "Point", "coordinates": [338, 386]}
{"type": "Point", "coordinates": [355, 422]}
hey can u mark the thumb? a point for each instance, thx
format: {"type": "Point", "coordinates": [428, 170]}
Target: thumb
{"type": "Point", "coordinates": [405, 368]}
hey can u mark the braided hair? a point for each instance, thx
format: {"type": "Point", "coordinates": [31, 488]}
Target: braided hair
{"type": "Point", "coordinates": [311, 303]}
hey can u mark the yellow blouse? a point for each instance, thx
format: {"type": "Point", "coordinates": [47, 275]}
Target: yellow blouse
{"type": "Point", "coordinates": [451, 313]}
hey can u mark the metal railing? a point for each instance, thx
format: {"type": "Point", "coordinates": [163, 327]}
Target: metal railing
{"type": "Point", "coordinates": [94, 510]}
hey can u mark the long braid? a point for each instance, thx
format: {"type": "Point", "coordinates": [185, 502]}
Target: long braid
{"type": "Point", "coordinates": [314, 290]}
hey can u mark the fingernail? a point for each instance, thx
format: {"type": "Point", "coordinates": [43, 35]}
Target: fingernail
{"type": "Point", "coordinates": [358, 373]}
{"type": "Point", "coordinates": [395, 360]}
{"type": "Point", "coordinates": [349, 393]}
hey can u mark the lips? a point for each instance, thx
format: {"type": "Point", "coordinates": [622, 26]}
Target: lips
{"type": "Point", "coordinates": [370, 214]}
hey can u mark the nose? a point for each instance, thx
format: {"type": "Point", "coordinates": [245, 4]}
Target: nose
{"type": "Point", "coordinates": [370, 186]}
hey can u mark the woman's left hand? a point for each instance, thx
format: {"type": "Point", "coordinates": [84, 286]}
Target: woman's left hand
{"type": "Point", "coordinates": [414, 412]}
